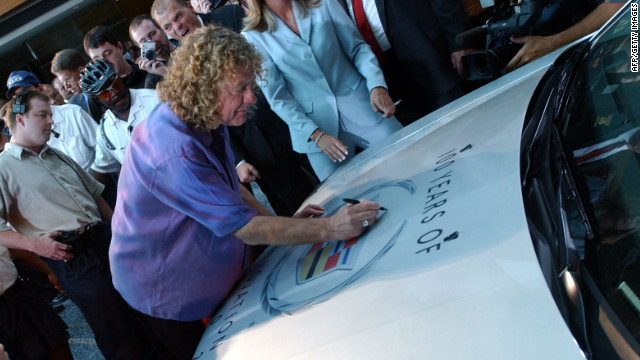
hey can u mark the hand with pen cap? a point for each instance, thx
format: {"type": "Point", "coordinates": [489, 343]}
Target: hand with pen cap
{"type": "Point", "coordinates": [381, 102]}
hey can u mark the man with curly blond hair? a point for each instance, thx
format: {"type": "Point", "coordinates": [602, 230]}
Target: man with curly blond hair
{"type": "Point", "coordinates": [183, 223]}
{"type": "Point", "coordinates": [262, 146]}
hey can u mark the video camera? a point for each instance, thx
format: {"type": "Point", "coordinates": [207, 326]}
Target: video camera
{"type": "Point", "coordinates": [515, 21]}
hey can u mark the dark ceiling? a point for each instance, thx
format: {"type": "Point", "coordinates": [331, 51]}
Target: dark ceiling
{"type": "Point", "coordinates": [26, 12]}
{"type": "Point", "coordinates": [31, 33]}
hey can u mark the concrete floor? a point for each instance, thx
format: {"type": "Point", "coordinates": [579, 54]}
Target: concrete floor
{"type": "Point", "coordinates": [83, 345]}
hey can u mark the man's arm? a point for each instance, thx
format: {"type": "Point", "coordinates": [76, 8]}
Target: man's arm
{"type": "Point", "coordinates": [103, 178]}
{"type": "Point", "coordinates": [538, 46]}
{"type": "Point", "coordinates": [346, 224]}
{"type": "Point", "coordinates": [43, 246]}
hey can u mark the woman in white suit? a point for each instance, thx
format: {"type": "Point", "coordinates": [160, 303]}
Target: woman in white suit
{"type": "Point", "coordinates": [322, 79]}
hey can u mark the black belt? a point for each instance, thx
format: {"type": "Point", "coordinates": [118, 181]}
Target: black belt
{"type": "Point", "coordinates": [85, 237]}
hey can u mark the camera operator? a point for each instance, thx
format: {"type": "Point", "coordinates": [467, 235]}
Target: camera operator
{"type": "Point", "coordinates": [513, 21]}
{"type": "Point", "coordinates": [537, 46]}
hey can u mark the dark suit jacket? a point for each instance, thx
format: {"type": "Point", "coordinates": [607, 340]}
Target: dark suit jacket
{"type": "Point", "coordinates": [264, 142]}
{"type": "Point", "coordinates": [421, 34]}
{"type": "Point", "coordinates": [228, 16]}
{"type": "Point", "coordinates": [137, 78]}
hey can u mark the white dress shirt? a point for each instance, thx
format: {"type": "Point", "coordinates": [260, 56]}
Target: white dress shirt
{"type": "Point", "coordinates": [373, 17]}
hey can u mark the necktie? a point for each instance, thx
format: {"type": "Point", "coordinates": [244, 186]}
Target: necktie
{"type": "Point", "coordinates": [365, 30]}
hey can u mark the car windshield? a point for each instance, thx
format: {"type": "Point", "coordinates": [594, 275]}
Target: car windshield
{"type": "Point", "coordinates": [603, 134]}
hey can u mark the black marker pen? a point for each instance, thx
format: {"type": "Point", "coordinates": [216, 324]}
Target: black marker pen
{"type": "Point", "coordinates": [354, 201]}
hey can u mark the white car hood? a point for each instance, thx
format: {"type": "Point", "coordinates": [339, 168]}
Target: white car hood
{"type": "Point", "coordinates": [448, 272]}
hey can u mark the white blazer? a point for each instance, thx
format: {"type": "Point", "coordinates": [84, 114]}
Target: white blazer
{"type": "Point", "coordinates": [328, 68]}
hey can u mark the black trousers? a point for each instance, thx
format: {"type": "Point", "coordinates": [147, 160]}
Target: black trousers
{"type": "Point", "coordinates": [87, 280]}
{"type": "Point", "coordinates": [172, 339]}
{"type": "Point", "coordinates": [29, 327]}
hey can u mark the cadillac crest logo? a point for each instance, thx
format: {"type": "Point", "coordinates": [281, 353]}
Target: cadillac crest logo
{"type": "Point", "coordinates": [323, 258]}
{"type": "Point", "coordinates": [308, 274]}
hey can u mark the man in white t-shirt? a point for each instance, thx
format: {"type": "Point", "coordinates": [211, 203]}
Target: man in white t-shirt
{"type": "Point", "coordinates": [126, 108]}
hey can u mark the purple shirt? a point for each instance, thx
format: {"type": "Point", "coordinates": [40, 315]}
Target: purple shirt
{"type": "Point", "coordinates": [172, 255]}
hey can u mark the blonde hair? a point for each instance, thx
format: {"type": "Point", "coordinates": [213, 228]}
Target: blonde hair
{"type": "Point", "coordinates": [200, 68]}
{"type": "Point", "coordinates": [260, 17]}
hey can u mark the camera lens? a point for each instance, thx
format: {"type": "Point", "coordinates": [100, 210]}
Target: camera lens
{"type": "Point", "coordinates": [150, 55]}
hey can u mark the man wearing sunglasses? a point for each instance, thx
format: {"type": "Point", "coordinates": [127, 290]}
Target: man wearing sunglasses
{"type": "Point", "coordinates": [126, 108]}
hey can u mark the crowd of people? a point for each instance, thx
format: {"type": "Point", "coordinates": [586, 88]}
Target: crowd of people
{"type": "Point", "coordinates": [126, 180]}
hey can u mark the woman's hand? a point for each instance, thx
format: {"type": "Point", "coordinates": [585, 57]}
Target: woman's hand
{"type": "Point", "coordinates": [332, 147]}
{"type": "Point", "coordinates": [381, 102]}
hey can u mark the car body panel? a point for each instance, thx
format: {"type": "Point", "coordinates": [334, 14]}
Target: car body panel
{"type": "Point", "coordinates": [448, 272]}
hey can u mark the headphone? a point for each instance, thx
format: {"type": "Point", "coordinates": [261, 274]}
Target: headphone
{"type": "Point", "coordinates": [18, 107]}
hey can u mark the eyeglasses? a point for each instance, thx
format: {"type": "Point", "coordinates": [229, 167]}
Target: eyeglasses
{"type": "Point", "coordinates": [115, 87]}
